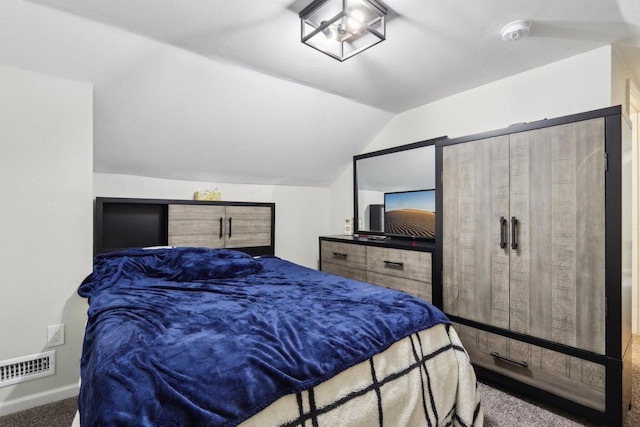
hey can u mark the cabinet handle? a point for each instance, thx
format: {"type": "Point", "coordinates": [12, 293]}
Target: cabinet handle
{"type": "Point", "coordinates": [514, 243]}
{"type": "Point", "coordinates": [510, 360]}
{"type": "Point", "coordinates": [503, 232]}
{"type": "Point", "coordinates": [393, 264]}
{"type": "Point", "coordinates": [230, 220]}
{"type": "Point", "coordinates": [221, 220]}
{"type": "Point", "coordinates": [339, 255]}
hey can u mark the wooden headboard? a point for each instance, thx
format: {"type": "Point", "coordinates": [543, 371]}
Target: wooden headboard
{"type": "Point", "coordinates": [123, 223]}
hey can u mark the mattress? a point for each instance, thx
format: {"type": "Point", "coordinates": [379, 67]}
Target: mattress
{"type": "Point", "coordinates": [194, 336]}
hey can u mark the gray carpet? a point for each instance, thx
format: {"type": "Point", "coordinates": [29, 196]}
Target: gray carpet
{"type": "Point", "coordinates": [506, 408]}
{"type": "Point", "coordinates": [58, 414]}
{"type": "Point", "coordinates": [501, 408]}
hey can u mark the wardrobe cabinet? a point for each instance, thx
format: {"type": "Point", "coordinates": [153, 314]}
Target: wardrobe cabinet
{"type": "Point", "coordinates": [521, 215]}
{"type": "Point", "coordinates": [530, 243]}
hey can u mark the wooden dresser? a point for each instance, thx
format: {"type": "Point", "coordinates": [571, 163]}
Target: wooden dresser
{"type": "Point", "coordinates": [123, 223]}
{"type": "Point", "coordinates": [396, 264]}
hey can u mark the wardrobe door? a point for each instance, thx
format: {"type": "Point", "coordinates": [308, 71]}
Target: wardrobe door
{"type": "Point", "coordinates": [558, 243]}
{"type": "Point", "coordinates": [475, 254]}
{"type": "Point", "coordinates": [196, 225]}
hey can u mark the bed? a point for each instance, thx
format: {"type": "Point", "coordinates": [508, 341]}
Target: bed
{"type": "Point", "coordinates": [215, 337]}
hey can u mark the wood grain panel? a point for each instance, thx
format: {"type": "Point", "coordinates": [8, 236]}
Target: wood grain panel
{"type": "Point", "coordinates": [590, 233]}
{"type": "Point", "coordinates": [412, 265]}
{"type": "Point", "coordinates": [475, 197]}
{"type": "Point", "coordinates": [557, 271]}
{"type": "Point", "coordinates": [567, 376]}
{"type": "Point", "coordinates": [251, 226]}
{"type": "Point", "coordinates": [419, 288]}
{"type": "Point", "coordinates": [345, 254]}
{"type": "Point", "coordinates": [180, 212]}
{"type": "Point", "coordinates": [199, 225]}
{"type": "Point", "coordinates": [246, 240]}
{"type": "Point", "coordinates": [344, 271]}
{"type": "Point", "coordinates": [563, 249]}
{"type": "Point", "coordinates": [195, 225]}
{"type": "Point", "coordinates": [519, 209]}
{"type": "Point", "coordinates": [451, 238]}
{"type": "Point", "coordinates": [500, 274]}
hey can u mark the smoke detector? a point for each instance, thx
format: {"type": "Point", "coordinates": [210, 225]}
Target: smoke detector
{"type": "Point", "coordinates": [515, 30]}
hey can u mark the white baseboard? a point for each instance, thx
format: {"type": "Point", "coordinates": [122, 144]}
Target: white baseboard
{"type": "Point", "coordinates": [38, 399]}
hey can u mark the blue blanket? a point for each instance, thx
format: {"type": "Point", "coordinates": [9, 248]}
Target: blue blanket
{"type": "Point", "coordinates": [193, 336]}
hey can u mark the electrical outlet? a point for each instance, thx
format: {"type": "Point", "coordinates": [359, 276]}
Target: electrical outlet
{"type": "Point", "coordinates": [55, 335]}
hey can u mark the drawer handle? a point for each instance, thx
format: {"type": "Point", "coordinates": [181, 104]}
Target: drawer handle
{"type": "Point", "coordinates": [339, 255]}
{"type": "Point", "coordinates": [510, 360]}
{"type": "Point", "coordinates": [393, 264]}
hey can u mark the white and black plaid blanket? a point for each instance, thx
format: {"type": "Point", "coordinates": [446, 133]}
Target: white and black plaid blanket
{"type": "Point", "coordinates": [425, 379]}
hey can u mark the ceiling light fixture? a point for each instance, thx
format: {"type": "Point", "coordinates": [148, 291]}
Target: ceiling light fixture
{"type": "Point", "coordinates": [516, 30]}
{"type": "Point", "coordinates": [343, 28]}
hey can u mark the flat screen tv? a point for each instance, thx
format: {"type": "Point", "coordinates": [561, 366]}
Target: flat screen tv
{"type": "Point", "coordinates": [410, 214]}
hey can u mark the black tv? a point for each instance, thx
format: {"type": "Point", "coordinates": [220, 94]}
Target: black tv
{"type": "Point", "coordinates": [410, 214]}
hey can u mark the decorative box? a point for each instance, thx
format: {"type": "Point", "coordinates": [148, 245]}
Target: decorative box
{"type": "Point", "coordinates": [207, 195]}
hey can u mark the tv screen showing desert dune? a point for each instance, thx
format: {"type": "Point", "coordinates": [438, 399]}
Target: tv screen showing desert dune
{"type": "Point", "coordinates": [411, 214]}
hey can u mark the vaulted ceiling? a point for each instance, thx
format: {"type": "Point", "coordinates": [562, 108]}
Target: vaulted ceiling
{"type": "Point", "coordinates": [223, 90]}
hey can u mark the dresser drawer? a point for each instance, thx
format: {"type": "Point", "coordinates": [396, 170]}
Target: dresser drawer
{"type": "Point", "coordinates": [574, 379]}
{"type": "Point", "coordinates": [342, 254]}
{"type": "Point", "coordinates": [420, 289]}
{"type": "Point", "coordinates": [412, 265]}
{"type": "Point", "coordinates": [341, 270]}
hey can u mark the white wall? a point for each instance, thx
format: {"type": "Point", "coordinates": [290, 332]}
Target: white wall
{"type": "Point", "coordinates": [622, 84]}
{"type": "Point", "coordinates": [45, 225]}
{"type": "Point", "coordinates": [301, 212]}
{"type": "Point", "coordinates": [573, 85]}
{"type": "Point", "coordinates": [621, 78]}
{"type": "Point", "coordinates": [202, 111]}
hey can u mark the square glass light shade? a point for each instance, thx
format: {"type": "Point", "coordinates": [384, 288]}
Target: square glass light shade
{"type": "Point", "coordinates": [343, 28]}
